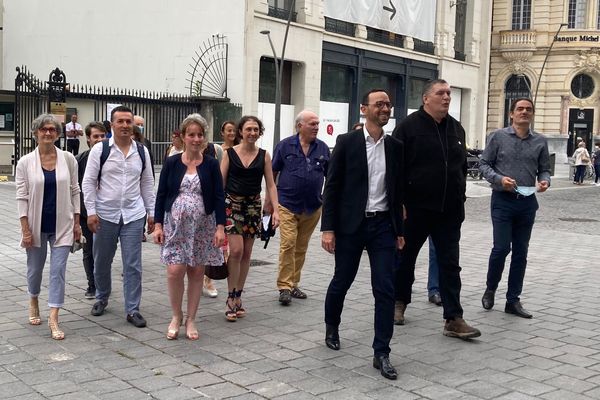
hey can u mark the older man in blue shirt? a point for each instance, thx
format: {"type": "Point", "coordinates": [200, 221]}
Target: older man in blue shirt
{"type": "Point", "coordinates": [300, 162]}
{"type": "Point", "coordinates": [514, 158]}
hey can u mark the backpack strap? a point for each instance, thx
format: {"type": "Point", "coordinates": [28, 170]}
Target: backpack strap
{"type": "Point", "coordinates": [106, 152]}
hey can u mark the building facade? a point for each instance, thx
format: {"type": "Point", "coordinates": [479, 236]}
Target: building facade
{"type": "Point", "coordinates": [548, 50]}
{"type": "Point", "coordinates": [329, 63]}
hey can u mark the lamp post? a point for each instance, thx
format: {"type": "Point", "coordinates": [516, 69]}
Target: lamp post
{"type": "Point", "coordinates": [537, 86]}
{"type": "Point", "coordinates": [279, 73]}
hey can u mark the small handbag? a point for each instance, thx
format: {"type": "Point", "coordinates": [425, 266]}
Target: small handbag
{"type": "Point", "coordinates": [217, 272]}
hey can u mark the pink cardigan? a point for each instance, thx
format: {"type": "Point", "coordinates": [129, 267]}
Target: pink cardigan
{"type": "Point", "coordinates": [29, 178]}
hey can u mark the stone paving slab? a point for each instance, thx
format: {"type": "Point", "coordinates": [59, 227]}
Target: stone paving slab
{"type": "Point", "coordinates": [278, 352]}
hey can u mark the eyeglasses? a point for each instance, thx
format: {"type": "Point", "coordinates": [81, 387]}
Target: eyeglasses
{"type": "Point", "coordinates": [47, 130]}
{"type": "Point", "coordinates": [381, 104]}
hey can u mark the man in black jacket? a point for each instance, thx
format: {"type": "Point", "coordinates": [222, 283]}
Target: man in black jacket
{"type": "Point", "coordinates": [95, 132]}
{"type": "Point", "coordinates": [362, 208]}
{"type": "Point", "coordinates": [435, 158]}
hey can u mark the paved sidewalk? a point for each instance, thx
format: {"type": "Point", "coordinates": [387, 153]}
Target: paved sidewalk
{"type": "Point", "coordinates": [278, 352]}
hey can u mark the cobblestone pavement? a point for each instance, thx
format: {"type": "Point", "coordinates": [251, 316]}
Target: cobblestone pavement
{"type": "Point", "coordinates": [278, 352]}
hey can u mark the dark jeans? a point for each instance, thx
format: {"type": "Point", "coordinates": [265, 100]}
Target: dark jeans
{"type": "Point", "coordinates": [73, 146]}
{"type": "Point", "coordinates": [433, 275]}
{"type": "Point", "coordinates": [376, 235]}
{"type": "Point", "coordinates": [597, 172]}
{"type": "Point", "coordinates": [88, 255]}
{"type": "Point", "coordinates": [444, 229]}
{"type": "Point", "coordinates": [580, 173]}
{"type": "Point", "coordinates": [512, 217]}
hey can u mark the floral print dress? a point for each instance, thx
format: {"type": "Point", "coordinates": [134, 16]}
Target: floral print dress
{"type": "Point", "coordinates": [188, 231]}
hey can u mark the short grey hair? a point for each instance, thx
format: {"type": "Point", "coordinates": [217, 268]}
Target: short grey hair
{"type": "Point", "coordinates": [44, 119]}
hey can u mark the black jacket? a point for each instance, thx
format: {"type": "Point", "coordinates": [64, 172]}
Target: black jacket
{"type": "Point", "coordinates": [82, 159]}
{"type": "Point", "coordinates": [347, 186]}
{"type": "Point", "coordinates": [435, 157]}
{"type": "Point", "coordinates": [171, 176]}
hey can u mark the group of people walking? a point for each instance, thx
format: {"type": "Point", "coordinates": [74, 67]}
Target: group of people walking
{"type": "Point", "coordinates": [386, 194]}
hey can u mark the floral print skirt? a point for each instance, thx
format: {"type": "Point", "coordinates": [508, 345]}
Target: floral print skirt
{"type": "Point", "coordinates": [243, 215]}
{"type": "Point", "coordinates": [188, 231]}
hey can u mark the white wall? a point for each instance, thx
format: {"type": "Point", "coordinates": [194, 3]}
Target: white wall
{"type": "Point", "coordinates": [133, 44]}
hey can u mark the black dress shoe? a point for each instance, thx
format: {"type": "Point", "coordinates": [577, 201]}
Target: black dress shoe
{"type": "Point", "coordinates": [99, 307]}
{"type": "Point", "coordinates": [436, 299]}
{"type": "Point", "coordinates": [332, 337]}
{"type": "Point", "coordinates": [487, 301]}
{"type": "Point", "coordinates": [136, 320]}
{"type": "Point", "coordinates": [517, 309]}
{"type": "Point", "coordinates": [387, 369]}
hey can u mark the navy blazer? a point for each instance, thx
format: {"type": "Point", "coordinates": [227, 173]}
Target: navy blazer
{"type": "Point", "coordinates": [171, 175]}
{"type": "Point", "coordinates": [347, 187]}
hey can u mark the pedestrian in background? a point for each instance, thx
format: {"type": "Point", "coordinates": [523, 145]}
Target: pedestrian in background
{"type": "Point", "coordinates": [48, 207]}
{"type": "Point", "coordinates": [596, 161]}
{"type": "Point", "coordinates": [95, 132]}
{"type": "Point", "coordinates": [243, 168]}
{"type": "Point", "coordinates": [189, 222]}
{"type": "Point", "coordinates": [582, 160]}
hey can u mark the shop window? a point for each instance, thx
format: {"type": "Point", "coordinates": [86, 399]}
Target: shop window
{"type": "Point", "coordinates": [582, 86]}
{"type": "Point", "coordinates": [266, 85]}
{"type": "Point", "coordinates": [336, 83]}
{"type": "Point", "coordinates": [281, 9]}
{"type": "Point", "coordinates": [577, 14]}
{"type": "Point", "coordinates": [521, 15]}
{"type": "Point", "coordinates": [7, 114]}
{"type": "Point", "coordinates": [415, 94]}
{"type": "Point", "coordinates": [371, 80]}
{"type": "Point", "coordinates": [516, 86]}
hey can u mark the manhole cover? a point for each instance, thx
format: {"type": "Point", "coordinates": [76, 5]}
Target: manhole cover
{"type": "Point", "coordinates": [578, 219]}
{"type": "Point", "coordinates": [255, 263]}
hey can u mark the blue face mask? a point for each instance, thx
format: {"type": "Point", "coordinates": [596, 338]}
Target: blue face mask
{"type": "Point", "coordinates": [526, 190]}
{"type": "Point", "coordinates": [141, 129]}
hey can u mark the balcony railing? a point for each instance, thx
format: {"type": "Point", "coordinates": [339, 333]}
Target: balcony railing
{"type": "Point", "coordinates": [341, 27]}
{"type": "Point", "coordinates": [518, 40]}
{"type": "Point", "coordinates": [281, 13]}
{"type": "Point", "coordinates": [423, 47]}
{"type": "Point", "coordinates": [385, 37]}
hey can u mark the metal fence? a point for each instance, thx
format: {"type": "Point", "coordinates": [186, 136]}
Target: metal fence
{"type": "Point", "coordinates": [163, 112]}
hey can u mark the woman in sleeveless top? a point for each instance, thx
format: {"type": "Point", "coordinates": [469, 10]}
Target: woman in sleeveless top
{"type": "Point", "coordinates": [243, 167]}
{"type": "Point", "coordinates": [189, 222]}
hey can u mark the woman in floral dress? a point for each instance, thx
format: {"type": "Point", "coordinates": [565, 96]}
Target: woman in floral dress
{"type": "Point", "coordinates": [243, 167]}
{"type": "Point", "coordinates": [189, 222]}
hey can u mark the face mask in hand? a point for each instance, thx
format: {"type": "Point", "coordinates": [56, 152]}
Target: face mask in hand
{"type": "Point", "coordinates": [525, 190]}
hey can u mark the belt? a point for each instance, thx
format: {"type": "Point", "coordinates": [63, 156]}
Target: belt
{"type": "Point", "coordinates": [372, 214]}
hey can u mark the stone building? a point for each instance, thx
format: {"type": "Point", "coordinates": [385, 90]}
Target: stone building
{"type": "Point", "coordinates": [549, 50]}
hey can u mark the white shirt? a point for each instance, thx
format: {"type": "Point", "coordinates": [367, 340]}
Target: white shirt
{"type": "Point", "coordinates": [73, 127]}
{"type": "Point", "coordinates": [121, 193]}
{"type": "Point", "coordinates": [377, 200]}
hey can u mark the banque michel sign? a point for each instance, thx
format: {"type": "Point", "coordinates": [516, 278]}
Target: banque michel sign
{"type": "Point", "coordinates": [587, 39]}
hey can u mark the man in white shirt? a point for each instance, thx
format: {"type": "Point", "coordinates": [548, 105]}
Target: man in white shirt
{"type": "Point", "coordinates": [362, 208]}
{"type": "Point", "coordinates": [73, 130]}
{"type": "Point", "coordinates": [117, 196]}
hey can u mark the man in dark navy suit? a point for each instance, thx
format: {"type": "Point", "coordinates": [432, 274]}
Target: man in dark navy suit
{"type": "Point", "coordinates": [362, 208]}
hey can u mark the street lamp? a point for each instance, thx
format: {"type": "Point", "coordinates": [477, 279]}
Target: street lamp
{"type": "Point", "coordinates": [279, 72]}
{"type": "Point", "coordinates": [546, 59]}
{"type": "Point", "coordinates": [277, 127]}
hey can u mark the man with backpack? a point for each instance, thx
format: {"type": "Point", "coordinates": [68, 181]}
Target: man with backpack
{"type": "Point", "coordinates": [118, 193]}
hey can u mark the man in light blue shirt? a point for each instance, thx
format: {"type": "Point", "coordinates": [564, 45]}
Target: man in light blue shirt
{"type": "Point", "coordinates": [517, 164]}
